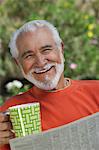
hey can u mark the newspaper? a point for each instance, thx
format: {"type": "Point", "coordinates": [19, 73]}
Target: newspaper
{"type": "Point", "coordinates": [82, 134]}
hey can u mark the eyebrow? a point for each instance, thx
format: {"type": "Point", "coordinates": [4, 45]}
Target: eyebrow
{"type": "Point", "coordinates": [46, 46]}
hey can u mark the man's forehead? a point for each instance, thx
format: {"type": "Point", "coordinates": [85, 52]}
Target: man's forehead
{"type": "Point", "coordinates": [30, 39]}
{"type": "Point", "coordinates": [38, 30]}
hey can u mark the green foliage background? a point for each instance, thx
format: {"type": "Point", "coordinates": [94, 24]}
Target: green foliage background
{"type": "Point", "coordinates": [78, 24]}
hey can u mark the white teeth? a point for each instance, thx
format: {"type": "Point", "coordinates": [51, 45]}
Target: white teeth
{"type": "Point", "coordinates": [40, 71]}
{"type": "Point", "coordinates": [46, 68]}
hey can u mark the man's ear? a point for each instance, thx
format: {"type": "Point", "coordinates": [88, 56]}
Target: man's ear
{"type": "Point", "coordinates": [62, 45]}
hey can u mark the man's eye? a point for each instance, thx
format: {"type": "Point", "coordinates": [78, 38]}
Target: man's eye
{"type": "Point", "coordinates": [28, 56]}
{"type": "Point", "coordinates": [47, 50]}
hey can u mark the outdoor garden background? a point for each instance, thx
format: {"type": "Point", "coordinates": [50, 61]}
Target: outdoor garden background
{"type": "Point", "coordinates": [78, 24]}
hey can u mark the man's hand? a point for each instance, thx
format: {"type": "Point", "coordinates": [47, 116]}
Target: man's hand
{"type": "Point", "coordinates": [5, 129]}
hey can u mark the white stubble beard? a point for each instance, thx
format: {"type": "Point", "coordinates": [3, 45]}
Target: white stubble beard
{"type": "Point", "coordinates": [48, 84]}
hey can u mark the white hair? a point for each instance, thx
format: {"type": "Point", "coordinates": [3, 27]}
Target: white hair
{"type": "Point", "coordinates": [32, 26]}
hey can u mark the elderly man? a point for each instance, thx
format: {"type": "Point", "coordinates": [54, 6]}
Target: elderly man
{"type": "Point", "coordinates": [38, 50]}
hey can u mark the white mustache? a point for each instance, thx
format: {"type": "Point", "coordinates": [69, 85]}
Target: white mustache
{"type": "Point", "coordinates": [44, 69]}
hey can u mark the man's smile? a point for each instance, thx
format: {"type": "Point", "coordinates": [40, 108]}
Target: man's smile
{"type": "Point", "coordinates": [43, 70]}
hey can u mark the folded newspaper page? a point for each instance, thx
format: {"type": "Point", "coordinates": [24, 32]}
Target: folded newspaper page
{"type": "Point", "coordinates": [82, 134]}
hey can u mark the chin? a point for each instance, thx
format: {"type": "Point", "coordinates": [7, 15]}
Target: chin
{"type": "Point", "coordinates": [45, 84]}
{"type": "Point", "coordinates": [46, 80]}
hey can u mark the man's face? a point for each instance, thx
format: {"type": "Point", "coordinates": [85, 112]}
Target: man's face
{"type": "Point", "coordinates": [40, 59]}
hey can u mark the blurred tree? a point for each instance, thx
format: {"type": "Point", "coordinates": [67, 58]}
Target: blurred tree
{"type": "Point", "coordinates": [78, 26]}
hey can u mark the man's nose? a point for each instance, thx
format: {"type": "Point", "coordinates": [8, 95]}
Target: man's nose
{"type": "Point", "coordinates": [40, 60]}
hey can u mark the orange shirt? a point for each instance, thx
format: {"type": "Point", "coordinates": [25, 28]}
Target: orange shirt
{"type": "Point", "coordinates": [63, 106]}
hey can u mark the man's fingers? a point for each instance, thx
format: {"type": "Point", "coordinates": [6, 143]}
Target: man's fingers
{"type": "Point", "coordinates": [4, 117]}
{"type": "Point", "coordinates": [6, 134]}
{"type": "Point", "coordinates": [5, 126]}
{"type": "Point", "coordinates": [5, 129]}
{"type": "Point", "coordinates": [5, 140]}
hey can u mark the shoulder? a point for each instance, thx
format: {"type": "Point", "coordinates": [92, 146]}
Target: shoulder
{"type": "Point", "coordinates": [19, 99]}
{"type": "Point", "coordinates": [89, 87]}
{"type": "Point", "coordinates": [87, 90]}
{"type": "Point", "coordinates": [86, 84]}
{"type": "Point", "coordinates": [89, 83]}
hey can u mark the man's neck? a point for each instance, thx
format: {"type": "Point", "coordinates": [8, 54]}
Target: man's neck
{"type": "Point", "coordinates": [61, 83]}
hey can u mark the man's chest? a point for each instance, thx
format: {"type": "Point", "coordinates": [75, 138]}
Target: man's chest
{"type": "Point", "coordinates": [64, 110]}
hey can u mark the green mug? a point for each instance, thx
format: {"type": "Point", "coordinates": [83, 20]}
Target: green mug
{"type": "Point", "coordinates": [26, 119]}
